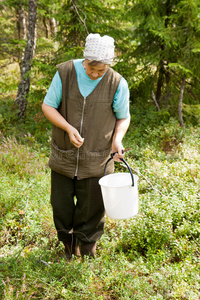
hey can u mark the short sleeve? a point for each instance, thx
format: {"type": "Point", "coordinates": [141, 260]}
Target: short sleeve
{"type": "Point", "coordinates": [54, 94]}
{"type": "Point", "coordinates": [121, 100]}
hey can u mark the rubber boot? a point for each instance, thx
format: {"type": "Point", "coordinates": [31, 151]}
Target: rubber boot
{"type": "Point", "coordinates": [71, 248]}
{"type": "Point", "coordinates": [88, 249]}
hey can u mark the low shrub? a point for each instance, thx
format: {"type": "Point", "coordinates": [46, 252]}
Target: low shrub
{"type": "Point", "coordinates": [154, 255]}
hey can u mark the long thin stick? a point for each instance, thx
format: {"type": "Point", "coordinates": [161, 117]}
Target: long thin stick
{"type": "Point", "coordinates": [147, 180]}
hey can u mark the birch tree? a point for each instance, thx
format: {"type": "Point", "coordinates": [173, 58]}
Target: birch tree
{"type": "Point", "coordinates": [22, 28]}
{"type": "Point", "coordinates": [24, 84]}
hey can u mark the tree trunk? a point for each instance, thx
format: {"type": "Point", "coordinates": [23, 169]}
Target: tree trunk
{"type": "Point", "coordinates": [50, 26]}
{"type": "Point", "coordinates": [53, 26]}
{"type": "Point", "coordinates": [24, 85]}
{"type": "Point", "coordinates": [180, 104]}
{"type": "Point", "coordinates": [160, 81]}
{"type": "Point", "coordinates": [46, 25]}
{"type": "Point", "coordinates": [22, 30]}
{"type": "Point", "coordinates": [21, 22]}
{"type": "Point", "coordinates": [167, 90]}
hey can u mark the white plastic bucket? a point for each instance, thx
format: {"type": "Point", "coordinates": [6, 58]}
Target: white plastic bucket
{"type": "Point", "coordinates": [120, 194]}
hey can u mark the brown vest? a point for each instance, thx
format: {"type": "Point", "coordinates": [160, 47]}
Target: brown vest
{"type": "Point", "coordinates": [93, 117]}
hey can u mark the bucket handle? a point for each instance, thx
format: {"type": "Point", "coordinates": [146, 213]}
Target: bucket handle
{"type": "Point", "coordinates": [122, 159]}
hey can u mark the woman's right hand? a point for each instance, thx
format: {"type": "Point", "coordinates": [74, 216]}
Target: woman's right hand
{"type": "Point", "coordinates": [75, 137]}
{"type": "Point", "coordinates": [58, 120]}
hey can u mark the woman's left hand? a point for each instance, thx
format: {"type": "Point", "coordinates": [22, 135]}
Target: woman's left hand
{"type": "Point", "coordinates": [117, 147]}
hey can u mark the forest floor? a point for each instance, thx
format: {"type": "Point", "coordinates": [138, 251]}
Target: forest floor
{"type": "Point", "coordinates": [154, 255]}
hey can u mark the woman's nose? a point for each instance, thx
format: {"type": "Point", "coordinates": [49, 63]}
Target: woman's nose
{"type": "Point", "coordinates": [95, 74]}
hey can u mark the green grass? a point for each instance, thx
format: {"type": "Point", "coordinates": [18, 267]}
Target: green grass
{"type": "Point", "coordinates": [154, 255]}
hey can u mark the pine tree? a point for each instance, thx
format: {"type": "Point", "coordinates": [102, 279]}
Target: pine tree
{"type": "Point", "coordinates": [165, 41]}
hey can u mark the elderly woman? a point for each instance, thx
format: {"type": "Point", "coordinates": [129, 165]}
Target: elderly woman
{"type": "Point", "coordinates": [88, 105]}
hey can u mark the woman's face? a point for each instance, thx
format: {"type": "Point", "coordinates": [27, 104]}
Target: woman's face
{"type": "Point", "coordinates": [94, 72]}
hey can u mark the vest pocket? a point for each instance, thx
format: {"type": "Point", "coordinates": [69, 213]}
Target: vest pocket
{"type": "Point", "coordinates": [59, 154]}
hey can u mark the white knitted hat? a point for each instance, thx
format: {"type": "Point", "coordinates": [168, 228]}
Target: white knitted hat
{"type": "Point", "coordinates": [99, 48]}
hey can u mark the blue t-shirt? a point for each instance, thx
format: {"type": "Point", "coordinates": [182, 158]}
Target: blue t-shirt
{"type": "Point", "coordinates": [86, 86]}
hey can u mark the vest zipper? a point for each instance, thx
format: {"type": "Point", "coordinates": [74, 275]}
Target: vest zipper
{"type": "Point", "coordinates": [81, 127]}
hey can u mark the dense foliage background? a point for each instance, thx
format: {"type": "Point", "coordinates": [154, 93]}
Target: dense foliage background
{"type": "Point", "coordinates": [157, 44]}
{"type": "Point", "coordinates": [154, 255]}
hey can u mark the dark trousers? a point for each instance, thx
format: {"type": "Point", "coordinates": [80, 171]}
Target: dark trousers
{"type": "Point", "coordinates": [78, 209]}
